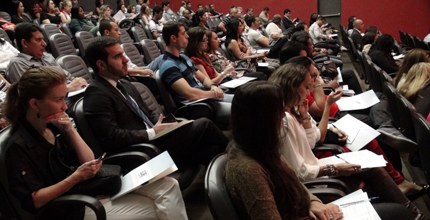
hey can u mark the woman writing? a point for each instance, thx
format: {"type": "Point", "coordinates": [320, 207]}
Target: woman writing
{"type": "Point", "coordinates": [36, 107]}
{"type": "Point", "coordinates": [302, 134]}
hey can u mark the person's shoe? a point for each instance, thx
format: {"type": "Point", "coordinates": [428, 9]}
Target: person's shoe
{"type": "Point", "coordinates": [424, 191]}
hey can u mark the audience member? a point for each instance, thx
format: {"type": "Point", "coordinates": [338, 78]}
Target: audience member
{"type": "Point", "coordinates": [234, 42]}
{"type": "Point", "coordinates": [79, 22]}
{"type": "Point", "coordinates": [415, 86]}
{"type": "Point", "coordinates": [350, 26]}
{"type": "Point", "coordinates": [97, 10]}
{"type": "Point", "coordinates": [321, 38]}
{"type": "Point", "coordinates": [356, 35]}
{"type": "Point", "coordinates": [368, 39]}
{"type": "Point", "coordinates": [36, 10]}
{"type": "Point", "coordinates": [111, 29]}
{"type": "Point", "coordinates": [273, 29]}
{"type": "Point", "coordinates": [50, 13]}
{"type": "Point", "coordinates": [108, 105]}
{"type": "Point", "coordinates": [380, 53]}
{"type": "Point", "coordinates": [287, 21]}
{"type": "Point", "coordinates": [168, 14]}
{"type": "Point", "coordinates": [233, 13]}
{"type": "Point", "coordinates": [219, 62]}
{"type": "Point", "coordinates": [213, 11]}
{"type": "Point", "coordinates": [65, 7]}
{"type": "Point", "coordinates": [302, 134]}
{"type": "Point", "coordinates": [31, 45]}
{"type": "Point", "coordinates": [255, 37]}
{"type": "Point", "coordinates": [7, 51]}
{"type": "Point", "coordinates": [186, 19]}
{"type": "Point", "coordinates": [264, 16]}
{"type": "Point", "coordinates": [145, 12]}
{"type": "Point", "coordinates": [182, 8]}
{"type": "Point", "coordinates": [261, 184]}
{"type": "Point", "coordinates": [196, 50]}
{"type": "Point", "coordinates": [200, 18]}
{"type": "Point", "coordinates": [155, 24]}
{"type": "Point", "coordinates": [36, 108]}
{"type": "Point", "coordinates": [105, 13]}
{"type": "Point", "coordinates": [313, 18]}
{"type": "Point", "coordinates": [412, 57]}
{"type": "Point", "coordinates": [18, 14]}
{"type": "Point", "coordinates": [184, 82]}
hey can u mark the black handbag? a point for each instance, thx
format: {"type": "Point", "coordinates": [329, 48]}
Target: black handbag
{"type": "Point", "coordinates": [106, 182]}
{"type": "Point", "coordinates": [328, 69]}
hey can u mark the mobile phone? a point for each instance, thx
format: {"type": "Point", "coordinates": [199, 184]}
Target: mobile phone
{"type": "Point", "coordinates": [170, 118]}
{"type": "Point", "coordinates": [102, 156]}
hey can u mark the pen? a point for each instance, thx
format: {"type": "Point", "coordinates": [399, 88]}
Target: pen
{"type": "Point", "coordinates": [341, 158]}
{"type": "Point", "coordinates": [359, 201]}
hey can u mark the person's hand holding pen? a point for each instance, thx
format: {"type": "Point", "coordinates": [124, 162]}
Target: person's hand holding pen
{"type": "Point", "coordinates": [347, 169]}
{"type": "Point", "coordinates": [342, 136]}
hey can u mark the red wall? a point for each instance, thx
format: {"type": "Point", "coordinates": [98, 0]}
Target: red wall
{"type": "Point", "coordinates": [390, 16]}
{"type": "Point", "coordinates": [412, 16]}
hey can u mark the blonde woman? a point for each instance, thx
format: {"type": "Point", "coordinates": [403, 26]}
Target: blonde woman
{"type": "Point", "coordinates": [415, 86]}
{"type": "Point", "coordinates": [66, 7]}
{"type": "Point", "coordinates": [105, 13]}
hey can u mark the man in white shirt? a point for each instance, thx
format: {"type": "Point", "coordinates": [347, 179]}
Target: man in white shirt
{"type": "Point", "coordinates": [155, 25]}
{"type": "Point", "coordinates": [256, 39]}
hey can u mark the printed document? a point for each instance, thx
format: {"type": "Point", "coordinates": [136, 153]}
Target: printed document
{"type": "Point", "coordinates": [154, 169]}
{"type": "Point", "coordinates": [357, 206]}
{"type": "Point", "coordinates": [364, 158]}
{"type": "Point", "coordinates": [361, 101]}
{"type": "Point", "coordinates": [359, 133]}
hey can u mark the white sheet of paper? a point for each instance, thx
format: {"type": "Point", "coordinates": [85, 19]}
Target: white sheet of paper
{"type": "Point", "coordinates": [350, 125]}
{"type": "Point", "coordinates": [339, 76]}
{"type": "Point", "coordinates": [77, 92]}
{"type": "Point", "coordinates": [356, 206]}
{"type": "Point", "coordinates": [234, 83]}
{"type": "Point", "coordinates": [154, 169]}
{"type": "Point", "coordinates": [364, 158]}
{"type": "Point", "coordinates": [398, 57]}
{"type": "Point", "coordinates": [356, 102]}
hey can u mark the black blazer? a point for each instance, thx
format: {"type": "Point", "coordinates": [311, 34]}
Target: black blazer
{"type": "Point", "coordinates": [357, 39]}
{"type": "Point", "coordinates": [111, 117]}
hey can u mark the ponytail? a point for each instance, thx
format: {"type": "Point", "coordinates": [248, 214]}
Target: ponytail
{"type": "Point", "coordinates": [13, 107]}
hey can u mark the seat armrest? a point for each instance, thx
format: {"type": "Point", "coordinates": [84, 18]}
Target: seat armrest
{"type": "Point", "coordinates": [327, 195]}
{"type": "Point", "coordinates": [328, 182]}
{"type": "Point", "coordinates": [336, 149]}
{"type": "Point", "coordinates": [149, 149]}
{"type": "Point", "coordinates": [78, 199]}
{"type": "Point", "coordinates": [195, 110]}
{"type": "Point", "coordinates": [127, 160]}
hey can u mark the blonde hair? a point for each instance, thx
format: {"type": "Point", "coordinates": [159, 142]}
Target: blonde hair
{"type": "Point", "coordinates": [414, 80]}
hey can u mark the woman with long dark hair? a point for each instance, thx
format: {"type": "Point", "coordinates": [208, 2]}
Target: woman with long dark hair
{"type": "Point", "coordinates": [18, 14]}
{"type": "Point", "coordinates": [380, 52]}
{"type": "Point", "coordinates": [79, 22]}
{"type": "Point", "coordinates": [262, 185]}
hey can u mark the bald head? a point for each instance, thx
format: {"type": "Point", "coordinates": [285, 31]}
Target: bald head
{"type": "Point", "coordinates": [358, 24]}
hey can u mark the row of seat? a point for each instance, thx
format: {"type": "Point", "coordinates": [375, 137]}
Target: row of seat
{"type": "Point", "coordinates": [411, 41]}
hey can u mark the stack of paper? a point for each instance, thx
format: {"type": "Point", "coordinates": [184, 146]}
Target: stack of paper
{"type": "Point", "coordinates": [357, 206]}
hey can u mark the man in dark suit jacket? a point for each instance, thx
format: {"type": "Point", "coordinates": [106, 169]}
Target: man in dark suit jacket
{"type": "Point", "coordinates": [286, 20]}
{"type": "Point", "coordinates": [118, 123]}
{"type": "Point", "coordinates": [356, 36]}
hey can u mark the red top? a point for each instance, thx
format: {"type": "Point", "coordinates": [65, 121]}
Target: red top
{"type": "Point", "coordinates": [333, 108]}
{"type": "Point", "coordinates": [209, 69]}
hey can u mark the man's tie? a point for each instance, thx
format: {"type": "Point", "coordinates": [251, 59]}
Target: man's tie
{"type": "Point", "coordinates": [134, 105]}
